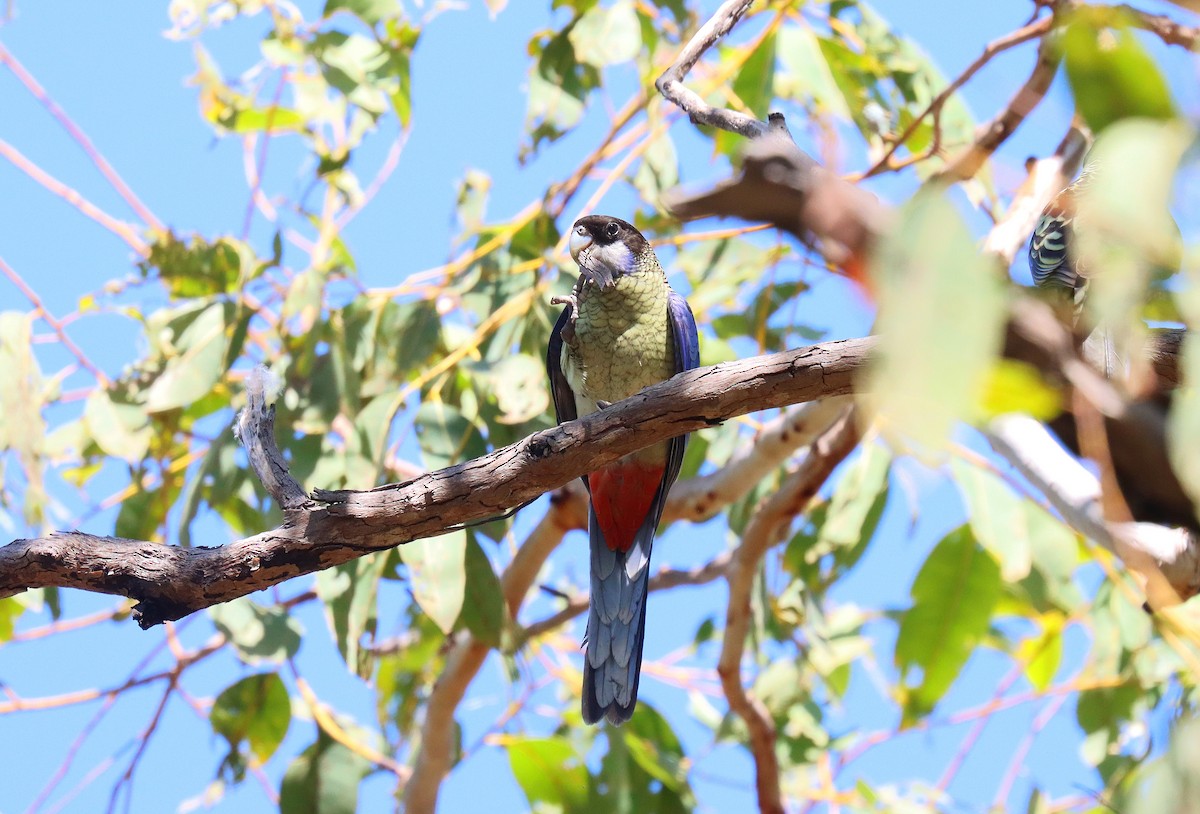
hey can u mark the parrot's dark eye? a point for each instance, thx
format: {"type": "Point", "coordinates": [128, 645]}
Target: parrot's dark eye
{"type": "Point", "coordinates": [612, 230]}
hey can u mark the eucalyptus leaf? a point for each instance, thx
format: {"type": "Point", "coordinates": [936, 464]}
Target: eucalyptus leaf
{"type": "Point", "coordinates": [437, 569]}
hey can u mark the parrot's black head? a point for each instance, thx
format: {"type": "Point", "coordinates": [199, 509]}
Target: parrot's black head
{"type": "Point", "coordinates": [606, 248]}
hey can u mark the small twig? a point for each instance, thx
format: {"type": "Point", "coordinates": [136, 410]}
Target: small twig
{"type": "Point", "coordinates": [1169, 31]}
{"type": "Point", "coordinates": [260, 165]}
{"type": "Point", "coordinates": [60, 115]}
{"type": "Point", "coordinates": [671, 86]}
{"type": "Point", "coordinates": [664, 579]}
{"type": "Point", "coordinates": [126, 780]}
{"type": "Point", "coordinates": [121, 229]}
{"type": "Point", "coordinates": [701, 498]}
{"type": "Point", "coordinates": [972, 737]}
{"type": "Point", "coordinates": [1022, 751]}
{"type": "Point", "coordinates": [66, 625]}
{"type": "Point", "coordinates": [55, 324]}
{"type": "Point", "coordinates": [1024, 34]}
{"type": "Point", "coordinates": [328, 724]}
{"type": "Point", "coordinates": [390, 162]}
{"type": "Point", "coordinates": [255, 429]}
{"type": "Point", "coordinates": [1005, 123]}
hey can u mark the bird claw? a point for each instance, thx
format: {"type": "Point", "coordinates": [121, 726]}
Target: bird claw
{"type": "Point", "coordinates": [603, 405]}
{"type": "Point", "coordinates": [567, 300]}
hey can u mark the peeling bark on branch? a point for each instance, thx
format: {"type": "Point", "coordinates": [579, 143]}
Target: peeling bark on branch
{"type": "Point", "coordinates": [330, 528]}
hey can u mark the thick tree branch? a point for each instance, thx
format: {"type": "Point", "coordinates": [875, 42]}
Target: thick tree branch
{"type": "Point", "coordinates": [334, 527]}
{"type": "Point", "coordinates": [170, 582]}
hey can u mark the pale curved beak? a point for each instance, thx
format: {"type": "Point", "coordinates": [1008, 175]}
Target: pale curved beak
{"type": "Point", "coordinates": [580, 240]}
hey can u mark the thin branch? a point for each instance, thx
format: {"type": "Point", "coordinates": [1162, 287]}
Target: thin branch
{"type": "Point", "coordinates": [55, 324]}
{"type": "Point", "coordinates": [255, 429]}
{"type": "Point", "coordinates": [664, 579]}
{"type": "Point", "coordinates": [1005, 123]}
{"type": "Point", "coordinates": [1166, 29]}
{"type": "Point", "coordinates": [671, 86]}
{"type": "Point", "coordinates": [143, 741]}
{"type": "Point", "coordinates": [701, 498]}
{"type": "Point", "coordinates": [258, 166]}
{"type": "Point", "coordinates": [89, 149]}
{"type": "Point", "coordinates": [998, 46]}
{"type": "Point", "coordinates": [1043, 718]}
{"type": "Point", "coordinates": [120, 228]}
{"type": "Point", "coordinates": [467, 656]}
{"type": "Point", "coordinates": [765, 529]}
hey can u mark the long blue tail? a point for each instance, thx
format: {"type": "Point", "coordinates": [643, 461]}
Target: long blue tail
{"type": "Point", "coordinates": [616, 625]}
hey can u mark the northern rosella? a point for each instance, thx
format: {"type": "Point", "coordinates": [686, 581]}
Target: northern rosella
{"type": "Point", "coordinates": [623, 329]}
{"type": "Point", "coordinates": [1054, 259]}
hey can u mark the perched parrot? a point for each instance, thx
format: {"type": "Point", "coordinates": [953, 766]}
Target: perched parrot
{"type": "Point", "coordinates": [623, 329]}
{"type": "Point", "coordinates": [1053, 260]}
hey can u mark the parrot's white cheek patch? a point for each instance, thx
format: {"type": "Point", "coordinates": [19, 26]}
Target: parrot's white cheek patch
{"type": "Point", "coordinates": [615, 256]}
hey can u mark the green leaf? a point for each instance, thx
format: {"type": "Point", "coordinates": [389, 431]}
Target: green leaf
{"type": "Point", "coordinates": [854, 507]}
{"type": "Point", "coordinates": [143, 513]}
{"type": "Point", "coordinates": [373, 75]}
{"type": "Point", "coordinates": [436, 566]}
{"type": "Point", "coordinates": [997, 517]}
{"type": "Point", "coordinates": [1042, 653]}
{"type": "Point", "coordinates": [549, 771]}
{"type": "Point", "coordinates": [255, 710]}
{"type": "Point", "coordinates": [446, 435]}
{"type": "Point", "coordinates": [120, 428]}
{"type": "Point", "coordinates": [656, 749]}
{"type": "Point", "coordinates": [518, 383]}
{"type": "Point", "coordinates": [199, 268]}
{"type": "Point", "coordinates": [217, 479]}
{"type": "Point", "coordinates": [10, 610]}
{"type": "Point", "coordinates": [349, 592]}
{"type": "Point", "coordinates": [323, 780]}
{"type": "Point", "coordinates": [558, 85]}
{"type": "Point", "coordinates": [1123, 222]}
{"type": "Point", "coordinates": [606, 36]}
{"type": "Point", "coordinates": [260, 635]}
{"type": "Point", "coordinates": [806, 73]}
{"type": "Point", "coordinates": [658, 170]}
{"type": "Point", "coordinates": [953, 596]}
{"type": "Point", "coordinates": [1055, 549]}
{"type": "Point", "coordinates": [1017, 387]}
{"type": "Point", "coordinates": [22, 427]}
{"type": "Point", "coordinates": [933, 284]}
{"type": "Point", "coordinates": [484, 613]}
{"type": "Point", "coordinates": [369, 11]}
{"type": "Point", "coordinates": [754, 85]}
{"type": "Point", "coordinates": [1111, 75]}
{"type": "Point", "coordinates": [195, 360]}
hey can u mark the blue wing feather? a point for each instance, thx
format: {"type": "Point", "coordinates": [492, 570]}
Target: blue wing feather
{"type": "Point", "coordinates": [560, 390]}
